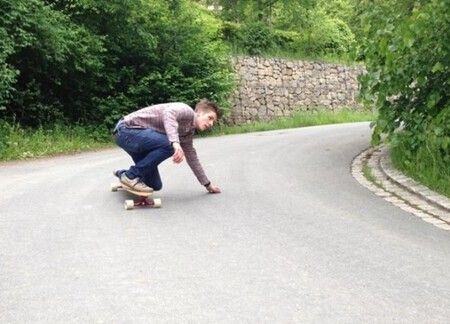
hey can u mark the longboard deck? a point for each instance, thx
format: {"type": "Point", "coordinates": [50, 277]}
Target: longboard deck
{"type": "Point", "coordinates": [134, 192]}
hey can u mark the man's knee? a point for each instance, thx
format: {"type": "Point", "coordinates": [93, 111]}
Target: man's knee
{"type": "Point", "coordinates": [168, 150]}
{"type": "Point", "coordinates": [153, 182]}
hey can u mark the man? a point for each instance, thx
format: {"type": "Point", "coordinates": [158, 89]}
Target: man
{"type": "Point", "coordinates": [153, 134]}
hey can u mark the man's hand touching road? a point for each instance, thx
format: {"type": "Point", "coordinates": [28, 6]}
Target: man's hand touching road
{"type": "Point", "coordinates": [213, 189]}
{"type": "Point", "coordinates": [178, 156]}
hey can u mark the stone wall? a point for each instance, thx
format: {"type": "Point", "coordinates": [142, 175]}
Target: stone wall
{"type": "Point", "coordinates": [269, 88]}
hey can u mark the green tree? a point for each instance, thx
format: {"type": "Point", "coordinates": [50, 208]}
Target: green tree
{"type": "Point", "coordinates": [50, 63]}
{"type": "Point", "coordinates": [321, 26]}
{"type": "Point", "coordinates": [157, 51]}
{"type": "Point", "coordinates": [341, 9]}
{"type": "Point", "coordinates": [407, 60]}
{"type": "Point", "coordinates": [406, 51]}
{"type": "Point", "coordinates": [248, 11]}
{"type": "Point", "coordinates": [93, 61]}
{"type": "Point", "coordinates": [8, 75]}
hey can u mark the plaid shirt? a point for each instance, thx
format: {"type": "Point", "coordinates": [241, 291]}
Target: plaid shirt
{"type": "Point", "coordinates": [177, 120]}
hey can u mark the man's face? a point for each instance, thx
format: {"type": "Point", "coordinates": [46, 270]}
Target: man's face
{"type": "Point", "coordinates": [205, 120]}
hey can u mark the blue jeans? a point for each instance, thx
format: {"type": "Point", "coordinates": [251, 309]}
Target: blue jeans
{"type": "Point", "coordinates": [148, 148]}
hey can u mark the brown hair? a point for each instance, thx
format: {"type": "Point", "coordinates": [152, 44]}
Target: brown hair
{"type": "Point", "coordinates": [205, 104]}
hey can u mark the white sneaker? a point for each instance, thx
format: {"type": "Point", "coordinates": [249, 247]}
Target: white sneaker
{"type": "Point", "coordinates": [135, 184]}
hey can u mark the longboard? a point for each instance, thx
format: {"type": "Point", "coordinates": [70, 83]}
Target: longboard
{"type": "Point", "coordinates": [144, 198]}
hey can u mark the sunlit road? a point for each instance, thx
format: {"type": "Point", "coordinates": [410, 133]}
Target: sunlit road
{"type": "Point", "coordinates": [292, 238]}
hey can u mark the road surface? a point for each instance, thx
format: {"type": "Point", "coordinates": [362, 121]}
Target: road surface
{"type": "Point", "coordinates": [292, 238]}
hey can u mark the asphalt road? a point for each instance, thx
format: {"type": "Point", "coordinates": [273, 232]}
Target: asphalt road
{"type": "Point", "coordinates": [293, 237]}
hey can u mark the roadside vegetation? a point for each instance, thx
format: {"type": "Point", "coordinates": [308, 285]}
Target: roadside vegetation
{"type": "Point", "coordinates": [427, 164]}
{"type": "Point", "coordinates": [18, 143]}
{"type": "Point", "coordinates": [407, 56]}
{"type": "Point", "coordinates": [368, 173]}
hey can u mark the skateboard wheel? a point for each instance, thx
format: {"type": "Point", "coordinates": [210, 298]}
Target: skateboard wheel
{"type": "Point", "coordinates": [114, 187]}
{"type": "Point", "coordinates": [157, 203]}
{"type": "Point", "coordinates": [129, 204]}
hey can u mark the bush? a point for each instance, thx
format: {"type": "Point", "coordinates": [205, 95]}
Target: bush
{"type": "Point", "coordinates": [231, 32]}
{"type": "Point", "coordinates": [8, 74]}
{"type": "Point", "coordinates": [53, 65]}
{"type": "Point", "coordinates": [328, 35]}
{"type": "Point", "coordinates": [407, 59]}
{"type": "Point", "coordinates": [428, 162]}
{"type": "Point", "coordinates": [256, 38]}
{"type": "Point", "coordinates": [288, 40]}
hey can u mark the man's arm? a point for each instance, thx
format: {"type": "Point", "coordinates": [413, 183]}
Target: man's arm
{"type": "Point", "coordinates": [196, 167]}
{"type": "Point", "coordinates": [170, 117]}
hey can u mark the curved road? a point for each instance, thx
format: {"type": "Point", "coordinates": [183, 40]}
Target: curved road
{"type": "Point", "coordinates": [292, 238]}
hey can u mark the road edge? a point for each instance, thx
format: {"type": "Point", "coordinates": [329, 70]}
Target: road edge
{"type": "Point", "coordinates": [400, 190]}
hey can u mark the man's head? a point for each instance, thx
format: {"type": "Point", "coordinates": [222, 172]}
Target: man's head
{"type": "Point", "coordinates": [207, 113]}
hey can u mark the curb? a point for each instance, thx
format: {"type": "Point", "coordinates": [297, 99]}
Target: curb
{"type": "Point", "coordinates": [411, 185]}
{"type": "Point", "coordinates": [400, 190]}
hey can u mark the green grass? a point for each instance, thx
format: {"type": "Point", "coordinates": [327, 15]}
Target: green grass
{"type": "Point", "coordinates": [427, 166]}
{"type": "Point", "coordinates": [368, 173]}
{"type": "Point", "coordinates": [300, 119]}
{"type": "Point", "coordinates": [18, 143]}
{"type": "Point", "coordinates": [344, 59]}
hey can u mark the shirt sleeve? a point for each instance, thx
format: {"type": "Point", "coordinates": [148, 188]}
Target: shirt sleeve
{"type": "Point", "coordinates": [192, 160]}
{"type": "Point", "coordinates": [170, 115]}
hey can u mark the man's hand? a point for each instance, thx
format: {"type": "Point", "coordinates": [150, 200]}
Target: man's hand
{"type": "Point", "coordinates": [213, 189]}
{"type": "Point", "coordinates": [178, 156]}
